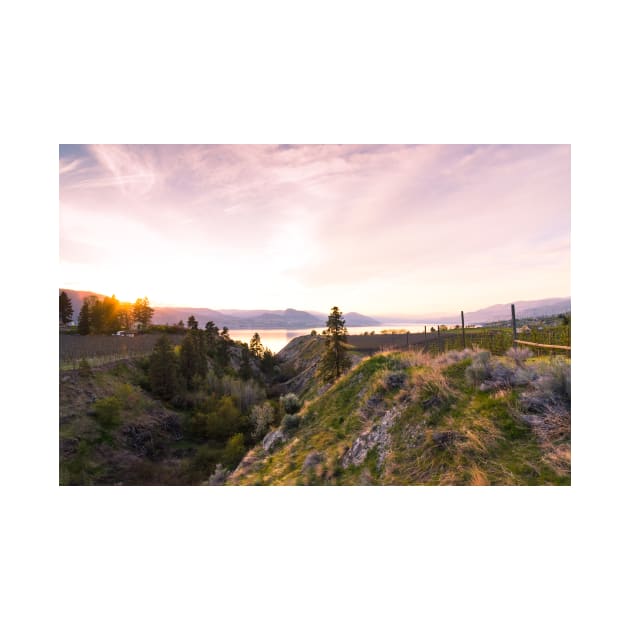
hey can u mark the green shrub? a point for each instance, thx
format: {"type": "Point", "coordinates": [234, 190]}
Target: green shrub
{"type": "Point", "coordinates": [291, 403]}
{"type": "Point", "coordinates": [290, 422]}
{"type": "Point", "coordinates": [479, 370]}
{"type": "Point", "coordinates": [203, 462]}
{"type": "Point", "coordinates": [519, 355]}
{"type": "Point", "coordinates": [107, 412]}
{"type": "Point", "coordinates": [85, 371]}
{"type": "Point", "coordinates": [262, 418]}
{"type": "Point", "coordinates": [234, 451]}
{"type": "Point", "coordinates": [129, 397]}
{"type": "Point", "coordinates": [558, 379]}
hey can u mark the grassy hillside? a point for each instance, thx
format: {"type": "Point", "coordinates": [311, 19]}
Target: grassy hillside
{"type": "Point", "coordinates": [461, 418]}
{"type": "Point", "coordinates": [114, 431]}
{"type": "Point", "coordinates": [111, 431]}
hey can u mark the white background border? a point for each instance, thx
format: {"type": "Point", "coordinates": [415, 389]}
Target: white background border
{"type": "Point", "coordinates": [452, 72]}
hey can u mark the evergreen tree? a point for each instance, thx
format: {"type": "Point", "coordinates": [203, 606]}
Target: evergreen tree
{"type": "Point", "coordinates": [212, 338]}
{"type": "Point", "coordinates": [336, 359]}
{"type": "Point", "coordinates": [163, 369]}
{"type": "Point", "coordinates": [109, 309]}
{"type": "Point", "coordinates": [84, 318]}
{"type": "Point", "coordinates": [65, 308]}
{"type": "Point", "coordinates": [142, 312]}
{"type": "Point", "coordinates": [245, 369]}
{"type": "Point", "coordinates": [212, 329]}
{"type": "Point", "coordinates": [256, 347]}
{"type": "Point", "coordinates": [268, 362]}
{"type": "Point", "coordinates": [192, 323]}
{"type": "Point", "coordinates": [221, 351]}
{"type": "Point", "coordinates": [96, 315]}
{"type": "Point", "coordinates": [192, 357]}
{"type": "Point", "coordinates": [187, 360]}
{"type": "Point", "coordinates": [125, 316]}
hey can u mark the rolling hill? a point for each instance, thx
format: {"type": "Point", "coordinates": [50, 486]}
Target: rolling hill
{"type": "Point", "coordinates": [406, 418]}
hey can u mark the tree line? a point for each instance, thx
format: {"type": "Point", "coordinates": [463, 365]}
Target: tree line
{"type": "Point", "coordinates": [186, 368]}
{"type": "Point", "coordinates": [107, 315]}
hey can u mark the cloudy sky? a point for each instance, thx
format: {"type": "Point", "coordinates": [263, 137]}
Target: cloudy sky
{"type": "Point", "coordinates": [379, 229]}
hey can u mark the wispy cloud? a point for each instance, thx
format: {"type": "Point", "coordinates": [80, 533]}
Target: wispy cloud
{"type": "Point", "coordinates": [312, 223]}
{"type": "Point", "coordinates": [69, 165]}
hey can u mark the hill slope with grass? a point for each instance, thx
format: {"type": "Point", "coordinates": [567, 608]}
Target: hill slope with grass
{"type": "Point", "coordinates": [115, 428]}
{"type": "Point", "coordinates": [399, 418]}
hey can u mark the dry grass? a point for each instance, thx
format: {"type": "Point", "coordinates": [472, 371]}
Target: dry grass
{"type": "Point", "coordinates": [451, 432]}
{"type": "Point", "coordinates": [553, 431]}
{"type": "Point", "coordinates": [478, 477]}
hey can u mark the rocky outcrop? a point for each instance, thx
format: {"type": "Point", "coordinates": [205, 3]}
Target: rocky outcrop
{"type": "Point", "coordinates": [273, 440]}
{"type": "Point", "coordinates": [376, 436]}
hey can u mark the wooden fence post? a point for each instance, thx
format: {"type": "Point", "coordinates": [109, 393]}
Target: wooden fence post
{"type": "Point", "coordinates": [513, 327]}
{"type": "Point", "coordinates": [463, 331]}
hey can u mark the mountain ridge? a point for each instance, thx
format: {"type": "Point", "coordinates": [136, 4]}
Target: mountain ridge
{"type": "Point", "coordinates": [263, 319]}
{"type": "Point", "coordinates": [290, 318]}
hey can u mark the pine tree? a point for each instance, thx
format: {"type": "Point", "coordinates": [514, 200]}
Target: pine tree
{"type": "Point", "coordinates": [163, 369]}
{"type": "Point", "coordinates": [142, 312]}
{"type": "Point", "coordinates": [96, 314]}
{"type": "Point", "coordinates": [256, 347]}
{"type": "Point", "coordinates": [335, 360]}
{"type": "Point", "coordinates": [192, 357]}
{"type": "Point", "coordinates": [84, 319]}
{"type": "Point", "coordinates": [187, 360]}
{"type": "Point", "coordinates": [267, 362]}
{"type": "Point", "coordinates": [222, 348]}
{"type": "Point", "coordinates": [245, 369]}
{"type": "Point", "coordinates": [65, 308]}
{"type": "Point", "coordinates": [192, 323]}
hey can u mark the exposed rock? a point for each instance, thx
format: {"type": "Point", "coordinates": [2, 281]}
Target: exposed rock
{"type": "Point", "coordinates": [273, 439]}
{"type": "Point", "coordinates": [371, 408]}
{"type": "Point", "coordinates": [376, 436]}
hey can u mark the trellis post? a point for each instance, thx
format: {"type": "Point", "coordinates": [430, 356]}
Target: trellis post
{"type": "Point", "coordinates": [513, 327]}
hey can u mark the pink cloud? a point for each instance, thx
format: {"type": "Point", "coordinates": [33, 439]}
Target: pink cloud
{"type": "Point", "coordinates": [346, 214]}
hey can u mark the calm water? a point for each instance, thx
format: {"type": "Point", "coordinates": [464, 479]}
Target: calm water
{"type": "Point", "coordinates": [276, 339]}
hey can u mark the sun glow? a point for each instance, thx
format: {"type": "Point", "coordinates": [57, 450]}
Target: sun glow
{"type": "Point", "coordinates": [403, 228]}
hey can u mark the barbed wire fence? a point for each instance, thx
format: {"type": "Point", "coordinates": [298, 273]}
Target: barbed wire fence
{"type": "Point", "coordinates": [498, 339]}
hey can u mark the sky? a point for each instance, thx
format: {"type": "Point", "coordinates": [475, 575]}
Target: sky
{"type": "Point", "coordinates": [379, 229]}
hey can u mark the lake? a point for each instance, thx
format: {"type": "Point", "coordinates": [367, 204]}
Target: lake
{"type": "Point", "coordinates": [277, 338]}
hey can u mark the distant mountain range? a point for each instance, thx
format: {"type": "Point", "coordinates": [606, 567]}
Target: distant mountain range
{"type": "Point", "coordinates": [235, 318]}
{"type": "Point", "coordinates": [495, 313]}
{"type": "Point", "coordinates": [294, 319]}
